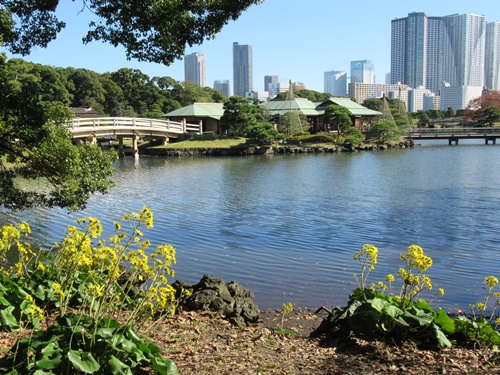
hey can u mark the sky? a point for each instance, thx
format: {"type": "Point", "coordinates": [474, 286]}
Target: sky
{"type": "Point", "coordinates": [294, 39]}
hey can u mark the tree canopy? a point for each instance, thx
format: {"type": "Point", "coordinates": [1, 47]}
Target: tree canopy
{"type": "Point", "coordinates": [150, 30]}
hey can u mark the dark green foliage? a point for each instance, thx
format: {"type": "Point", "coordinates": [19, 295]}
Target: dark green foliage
{"type": "Point", "coordinates": [489, 116]}
{"type": "Point", "coordinates": [307, 94]}
{"type": "Point", "coordinates": [315, 138]}
{"type": "Point", "coordinates": [375, 316]}
{"type": "Point", "coordinates": [78, 343]}
{"type": "Point", "coordinates": [383, 131]}
{"type": "Point", "coordinates": [240, 115]}
{"type": "Point", "coordinates": [35, 140]}
{"type": "Point", "coordinates": [353, 136]}
{"type": "Point", "coordinates": [264, 132]}
{"type": "Point", "coordinates": [155, 31]}
{"type": "Point", "coordinates": [339, 116]}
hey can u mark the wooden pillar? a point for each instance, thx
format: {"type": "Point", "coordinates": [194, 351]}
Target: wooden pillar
{"type": "Point", "coordinates": [201, 126]}
{"type": "Point", "coordinates": [94, 139]}
{"type": "Point", "coordinates": [121, 153]}
{"type": "Point", "coordinates": [165, 140]}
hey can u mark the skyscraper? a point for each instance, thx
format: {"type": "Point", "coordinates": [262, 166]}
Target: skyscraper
{"type": "Point", "coordinates": [268, 80]}
{"type": "Point", "coordinates": [223, 87]}
{"type": "Point", "coordinates": [362, 71]}
{"type": "Point", "coordinates": [336, 83]}
{"type": "Point", "coordinates": [242, 69]}
{"type": "Point", "coordinates": [431, 51]}
{"type": "Point", "coordinates": [195, 68]}
{"type": "Point", "coordinates": [492, 56]}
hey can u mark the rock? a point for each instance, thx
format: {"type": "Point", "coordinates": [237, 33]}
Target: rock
{"type": "Point", "coordinates": [230, 300]}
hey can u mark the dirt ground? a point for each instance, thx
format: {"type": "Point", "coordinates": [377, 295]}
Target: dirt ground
{"type": "Point", "coordinates": [203, 343]}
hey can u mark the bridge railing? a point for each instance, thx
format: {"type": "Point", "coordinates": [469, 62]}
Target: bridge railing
{"type": "Point", "coordinates": [134, 122]}
{"type": "Point", "coordinates": [451, 132]}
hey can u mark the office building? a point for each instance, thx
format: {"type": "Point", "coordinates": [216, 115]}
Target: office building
{"type": "Point", "coordinates": [268, 80]}
{"type": "Point", "coordinates": [335, 83]}
{"type": "Point", "coordinates": [223, 87]}
{"type": "Point", "coordinates": [274, 88]}
{"type": "Point", "coordinates": [363, 91]}
{"type": "Point", "coordinates": [362, 71]}
{"type": "Point", "coordinates": [492, 56]}
{"type": "Point", "coordinates": [431, 51]}
{"type": "Point", "coordinates": [242, 69]}
{"type": "Point", "coordinates": [195, 69]}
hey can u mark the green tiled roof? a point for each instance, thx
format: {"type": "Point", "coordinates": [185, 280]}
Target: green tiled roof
{"type": "Point", "coordinates": [211, 110]}
{"type": "Point", "coordinates": [280, 107]}
{"type": "Point", "coordinates": [355, 108]}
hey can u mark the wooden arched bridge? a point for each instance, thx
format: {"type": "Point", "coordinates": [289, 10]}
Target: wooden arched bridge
{"type": "Point", "coordinates": [120, 128]}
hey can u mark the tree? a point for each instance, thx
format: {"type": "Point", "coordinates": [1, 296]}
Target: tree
{"type": "Point", "coordinates": [476, 107]}
{"type": "Point", "coordinates": [292, 123]}
{"type": "Point", "coordinates": [35, 143]}
{"type": "Point", "coordinates": [340, 117]}
{"type": "Point", "coordinates": [307, 94]}
{"type": "Point", "coordinates": [383, 131]}
{"type": "Point", "coordinates": [150, 30]}
{"type": "Point", "coordinates": [240, 114]}
{"type": "Point", "coordinates": [264, 131]}
{"type": "Point", "coordinates": [489, 116]}
{"type": "Point", "coordinates": [423, 118]}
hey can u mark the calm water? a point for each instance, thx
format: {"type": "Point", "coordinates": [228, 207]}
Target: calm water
{"type": "Point", "coordinates": [288, 226]}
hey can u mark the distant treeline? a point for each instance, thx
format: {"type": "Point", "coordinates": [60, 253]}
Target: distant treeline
{"type": "Point", "coordinates": [126, 92]}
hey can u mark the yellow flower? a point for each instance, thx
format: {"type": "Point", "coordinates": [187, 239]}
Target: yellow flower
{"type": "Point", "coordinates": [389, 278]}
{"type": "Point", "coordinates": [35, 311]}
{"type": "Point", "coordinates": [441, 291]}
{"type": "Point", "coordinates": [58, 289]}
{"type": "Point", "coordinates": [491, 281]}
{"type": "Point", "coordinates": [287, 308]}
{"type": "Point", "coordinates": [480, 306]}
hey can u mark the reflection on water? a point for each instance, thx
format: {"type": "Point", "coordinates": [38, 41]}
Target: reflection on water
{"type": "Point", "coordinates": [287, 226]}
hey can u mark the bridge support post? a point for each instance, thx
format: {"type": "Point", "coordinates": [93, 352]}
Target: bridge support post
{"type": "Point", "coordinates": [165, 140]}
{"type": "Point", "coordinates": [121, 153]}
{"type": "Point", "coordinates": [135, 147]}
{"type": "Point", "coordinates": [487, 140]}
{"type": "Point", "coordinates": [94, 139]}
{"type": "Point", "coordinates": [452, 141]}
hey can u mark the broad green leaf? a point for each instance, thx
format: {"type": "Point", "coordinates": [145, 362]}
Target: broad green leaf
{"type": "Point", "coordinates": [421, 317]}
{"type": "Point", "coordinates": [8, 319]}
{"type": "Point", "coordinates": [379, 304]}
{"type": "Point", "coordinates": [442, 319]}
{"type": "Point", "coordinates": [441, 337]}
{"type": "Point", "coordinates": [42, 372]}
{"type": "Point", "coordinates": [83, 361]}
{"type": "Point", "coordinates": [131, 334]}
{"type": "Point", "coordinates": [164, 367]}
{"type": "Point", "coordinates": [393, 311]}
{"type": "Point", "coordinates": [105, 333]}
{"type": "Point", "coordinates": [40, 292]}
{"type": "Point", "coordinates": [117, 367]}
{"type": "Point", "coordinates": [51, 356]}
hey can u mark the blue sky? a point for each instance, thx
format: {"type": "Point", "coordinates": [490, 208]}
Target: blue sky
{"type": "Point", "coordinates": [294, 39]}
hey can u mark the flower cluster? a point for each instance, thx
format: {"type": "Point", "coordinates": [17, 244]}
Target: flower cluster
{"type": "Point", "coordinates": [367, 255]}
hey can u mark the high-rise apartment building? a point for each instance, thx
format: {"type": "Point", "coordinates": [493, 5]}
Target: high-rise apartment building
{"type": "Point", "coordinates": [195, 69]}
{"type": "Point", "coordinates": [492, 56]}
{"type": "Point", "coordinates": [336, 83]}
{"type": "Point", "coordinates": [362, 71]}
{"type": "Point", "coordinates": [268, 80]}
{"type": "Point", "coordinates": [431, 51]}
{"type": "Point", "coordinates": [242, 69]}
{"type": "Point", "coordinates": [223, 87]}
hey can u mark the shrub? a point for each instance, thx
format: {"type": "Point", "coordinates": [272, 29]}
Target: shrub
{"type": "Point", "coordinates": [93, 278]}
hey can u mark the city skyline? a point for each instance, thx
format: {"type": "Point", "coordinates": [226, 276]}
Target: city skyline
{"type": "Point", "coordinates": [195, 68]}
{"type": "Point", "coordinates": [298, 56]}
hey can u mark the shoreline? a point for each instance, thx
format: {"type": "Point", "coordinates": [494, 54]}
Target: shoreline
{"type": "Point", "coordinates": [271, 150]}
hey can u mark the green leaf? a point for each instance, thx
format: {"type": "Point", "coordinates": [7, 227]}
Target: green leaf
{"type": "Point", "coordinates": [117, 367]}
{"type": "Point", "coordinates": [51, 356]}
{"type": "Point", "coordinates": [379, 304]}
{"type": "Point", "coordinates": [41, 372]}
{"type": "Point", "coordinates": [421, 317]}
{"type": "Point", "coordinates": [105, 333]}
{"type": "Point", "coordinates": [164, 367]}
{"type": "Point", "coordinates": [7, 319]}
{"type": "Point", "coordinates": [83, 361]}
{"type": "Point", "coordinates": [131, 334]}
{"type": "Point", "coordinates": [40, 292]}
{"type": "Point", "coordinates": [441, 337]}
{"type": "Point", "coordinates": [442, 319]}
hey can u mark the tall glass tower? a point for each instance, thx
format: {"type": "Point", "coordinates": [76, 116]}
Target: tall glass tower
{"type": "Point", "coordinates": [195, 69]}
{"type": "Point", "coordinates": [362, 71]}
{"type": "Point", "coordinates": [430, 51]}
{"type": "Point", "coordinates": [242, 69]}
{"type": "Point", "coordinates": [492, 56]}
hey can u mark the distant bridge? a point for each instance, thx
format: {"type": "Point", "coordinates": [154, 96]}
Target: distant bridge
{"type": "Point", "coordinates": [129, 127]}
{"type": "Point", "coordinates": [454, 134]}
